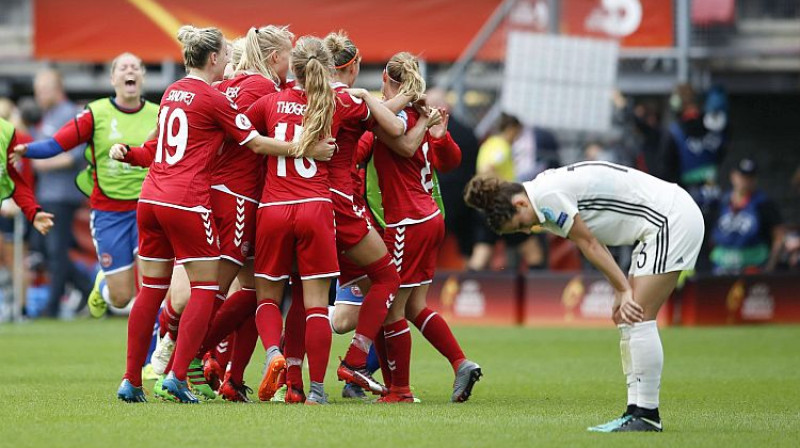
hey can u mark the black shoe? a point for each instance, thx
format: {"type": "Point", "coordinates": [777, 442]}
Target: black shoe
{"type": "Point", "coordinates": [640, 424]}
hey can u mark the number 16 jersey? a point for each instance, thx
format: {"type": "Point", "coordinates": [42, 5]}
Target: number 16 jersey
{"type": "Point", "coordinates": [193, 121]}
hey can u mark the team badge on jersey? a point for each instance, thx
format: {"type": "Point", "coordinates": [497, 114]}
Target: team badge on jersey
{"type": "Point", "coordinates": [549, 215]}
{"type": "Point", "coordinates": [242, 122]}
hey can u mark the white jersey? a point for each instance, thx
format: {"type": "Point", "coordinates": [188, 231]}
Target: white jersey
{"type": "Point", "coordinates": [620, 205]}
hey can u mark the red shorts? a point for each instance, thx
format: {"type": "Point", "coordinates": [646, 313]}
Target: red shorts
{"type": "Point", "coordinates": [304, 231]}
{"type": "Point", "coordinates": [352, 222]}
{"type": "Point", "coordinates": [167, 233]}
{"type": "Point", "coordinates": [415, 248]}
{"type": "Point", "coordinates": [235, 218]}
{"type": "Point", "coordinates": [352, 225]}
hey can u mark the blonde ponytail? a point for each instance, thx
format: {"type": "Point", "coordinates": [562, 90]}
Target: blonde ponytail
{"type": "Point", "coordinates": [312, 65]}
{"type": "Point", "coordinates": [403, 69]}
{"type": "Point", "coordinates": [259, 45]}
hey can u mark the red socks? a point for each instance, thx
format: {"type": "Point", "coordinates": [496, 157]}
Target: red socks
{"type": "Point", "coordinates": [269, 323]}
{"type": "Point", "coordinates": [168, 321]}
{"type": "Point", "coordinates": [243, 347]}
{"type": "Point", "coordinates": [294, 335]}
{"type": "Point", "coordinates": [140, 325]}
{"type": "Point", "coordinates": [236, 309]}
{"type": "Point", "coordinates": [398, 354]}
{"type": "Point", "coordinates": [380, 348]}
{"type": "Point", "coordinates": [318, 343]}
{"type": "Point", "coordinates": [438, 333]}
{"type": "Point", "coordinates": [385, 282]}
{"type": "Point", "coordinates": [194, 325]}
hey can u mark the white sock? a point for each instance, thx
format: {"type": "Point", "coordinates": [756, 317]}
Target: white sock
{"type": "Point", "coordinates": [105, 294]}
{"type": "Point", "coordinates": [331, 309]}
{"type": "Point", "coordinates": [648, 362]}
{"type": "Point", "coordinates": [627, 362]}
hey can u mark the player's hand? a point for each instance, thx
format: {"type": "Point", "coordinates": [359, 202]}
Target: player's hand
{"type": "Point", "coordinates": [19, 152]}
{"type": "Point", "coordinates": [625, 310]}
{"type": "Point", "coordinates": [43, 222]}
{"type": "Point", "coordinates": [357, 93]}
{"type": "Point", "coordinates": [440, 130]}
{"type": "Point", "coordinates": [323, 150]}
{"type": "Point", "coordinates": [434, 118]}
{"type": "Point", "coordinates": [118, 151]}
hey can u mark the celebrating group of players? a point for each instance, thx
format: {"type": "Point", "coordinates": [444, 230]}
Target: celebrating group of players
{"type": "Point", "coordinates": [253, 181]}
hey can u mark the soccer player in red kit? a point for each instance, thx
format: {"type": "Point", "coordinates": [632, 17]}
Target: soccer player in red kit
{"type": "Point", "coordinates": [355, 237]}
{"type": "Point", "coordinates": [236, 186]}
{"type": "Point", "coordinates": [295, 216]}
{"type": "Point", "coordinates": [415, 223]}
{"type": "Point", "coordinates": [174, 216]}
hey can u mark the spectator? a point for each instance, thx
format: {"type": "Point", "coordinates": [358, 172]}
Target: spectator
{"type": "Point", "coordinates": [495, 158]}
{"type": "Point", "coordinates": [56, 189]}
{"type": "Point", "coordinates": [453, 182]}
{"type": "Point", "coordinates": [748, 235]}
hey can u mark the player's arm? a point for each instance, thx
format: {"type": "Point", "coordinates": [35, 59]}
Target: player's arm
{"type": "Point", "coordinates": [25, 199]}
{"type": "Point", "coordinates": [76, 132]}
{"type": "Point", "coordinates": [446, 152]}
{"type": "Point", "coordinates": [256, 117]}
{"type": "Point", "coordinates": [388, 121]}
{"type": "Point", "coordinates": [772, 221]}
{"type": "Point", "coordinates": [406, 145]}
{"type": "Point", "coordinates": [598, 254]}
{"type": "Point", "coordinates": [398, 103]}
{"type": "Point", "coordinates": [142, 156]}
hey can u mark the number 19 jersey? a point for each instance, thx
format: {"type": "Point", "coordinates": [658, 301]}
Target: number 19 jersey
{"type": "Point", "coordinates": [193, 122]}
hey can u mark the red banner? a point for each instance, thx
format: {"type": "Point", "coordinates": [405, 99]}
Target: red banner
{"type": "Point", "coordinates": [636, 23]}
{"type": "Point", "coordinates": [476, 298]}
{"type": "Point", "coordinates": [740, 300]}
{"type": "Point", "coordinates": [566, 300]}
{"type": "Point", "coordinates": [98, 30]}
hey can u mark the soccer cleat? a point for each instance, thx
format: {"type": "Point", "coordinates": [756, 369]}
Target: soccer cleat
{"type": "Point", "coordinates": [294, 395]}
{"type": "Point", "coordinates": [129, 393]}
{"type": "Point", "coordinates": [394, 397]}
{"type": "Point", "coordinates": [97, 306]}
{"type": "Point", "coordinates": [179, 390]}
{"type": "Point", "coordinates": [148, 373]}
{"type": "Point", "coordinates": [640, 424]}
{"type": "Point", "coordinates": [353, 391]}
{"type": "Point", "coordinates": [159, 392]}
{"type": "Point", "coordinates": [213, 372]}
{"type": "Point", "coordinates": [162, 353]}
{"type": "Point", "coordinates": [315, 399]}
{"type": "Point", "coordinates": [231, 391]}
{"type": "Point", "coordinates": [197, 380]}
{"type": "Point", "coordinates": [271, 381]}
{"type": "Point", "coordinates": [467, 375]}
{"type": "Point", "coordinates": [612, 425]}
{"type": "Point", "coordinates": [361, 377]}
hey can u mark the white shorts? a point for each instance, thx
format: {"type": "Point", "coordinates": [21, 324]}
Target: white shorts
{"type": "Point", "coordinates": [676, 245]}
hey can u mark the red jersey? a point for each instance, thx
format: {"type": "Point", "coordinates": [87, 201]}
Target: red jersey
{"type": "Point", "coordinates": [81, 130]}
{"type": "Point", "coordinates": [353, 125]}
{"type": "Point", "coordinates": [193, 121]}
{"type": "Point", "coordinates": [405, 183]}
{"type": "Point", "coordinates": [237, 169]}
{"type": "Point", "coordinates": [292, 180]}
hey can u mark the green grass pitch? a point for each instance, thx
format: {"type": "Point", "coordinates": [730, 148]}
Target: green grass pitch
{"type": "Point", "coordinates": [541, 387]}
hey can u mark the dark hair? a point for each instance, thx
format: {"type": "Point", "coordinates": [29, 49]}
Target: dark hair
{"type": "Point", "coordinates": [492, 196]}
{"type": "Point", "coordinates": [507, 121]}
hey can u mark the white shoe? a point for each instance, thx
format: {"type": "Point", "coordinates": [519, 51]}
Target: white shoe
{"type": "Point", "coordinates": [161, 355]}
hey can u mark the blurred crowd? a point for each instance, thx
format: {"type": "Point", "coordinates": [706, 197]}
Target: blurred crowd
{"type": "Point", "coordinates": [683, 140]}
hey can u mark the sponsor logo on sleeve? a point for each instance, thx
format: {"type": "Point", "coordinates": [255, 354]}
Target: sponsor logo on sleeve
{"type": "Point", "coordinates": [562, 218]}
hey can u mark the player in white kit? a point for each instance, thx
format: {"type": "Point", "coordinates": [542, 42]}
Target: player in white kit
{"type": "Point", "coordinates": [599, 204]}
